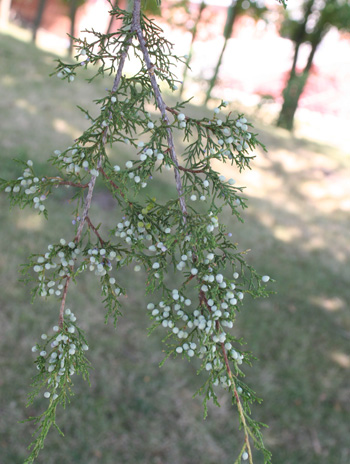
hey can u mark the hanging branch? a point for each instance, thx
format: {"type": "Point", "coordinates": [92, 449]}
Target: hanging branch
{"type": "Point", "coordinates": [92, 182]}
{"type": "Point", "coordinates": [161, 105]}
{"type": "Point", "coordinates": [156, 235]}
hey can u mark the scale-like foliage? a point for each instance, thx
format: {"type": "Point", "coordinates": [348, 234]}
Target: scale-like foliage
{"type": "Point", "coordinates": [184, 235]}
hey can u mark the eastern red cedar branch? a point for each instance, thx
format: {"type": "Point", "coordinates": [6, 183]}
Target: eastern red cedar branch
{"type": "Point", "coordinates": [91, 184]}
{"type": "Point", "coordinates": [162, 107]}
{"type": "Point", "coordinates": [203, 299]}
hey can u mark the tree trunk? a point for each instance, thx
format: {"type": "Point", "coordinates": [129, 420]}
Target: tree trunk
{"type": "Point", "coordinates": [293, 91]}
{"type": "Point", "coordinates": [300, 37]}
{"type": "Point", "coordinates": [116, 2]}
{"type": "Point", "coordinates": [194, 33]}
{"type": "Point", "coordinates": [38, 19]}
{"type": "Point", "coordinates": [5, 8]}
{"type": "Point", "coordinates": [230, 20]}
{"type": "Point", "coordinates": [72, 14]}
{"type": "Point", "coordinates": [291, 95]}
{"type": "Point", "coordinates": [296, 82]}
{"type": "Point", "coordinates": [216, 72]}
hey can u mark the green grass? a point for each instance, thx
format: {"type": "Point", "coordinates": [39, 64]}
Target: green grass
{"type": "Point", "coordinates": [298, 229]}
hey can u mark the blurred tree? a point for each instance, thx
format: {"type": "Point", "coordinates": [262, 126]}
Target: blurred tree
{"type": "Point", "coordinates": [236, 9]}
{"type": "Point", "coordinates": [72, 14]}
{"type": "Point", "coordinates": [318, 17]}
{"type": "Point", "coordinates": [202, 7]}
{"type": "Point", "coordinates": [109, 28]}
{"type": "Point", "coordinates": [73, 6]}
{"type": "Point", "coordinates": [149, 7]}
{"type": "Point", "coordinates": [5, 8]}
{"type": "Point", "coordinates": [38, 18]}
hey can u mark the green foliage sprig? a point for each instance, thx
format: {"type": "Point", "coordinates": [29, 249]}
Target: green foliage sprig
{"type": "Point", "coordinates": [61, 355]}
{"type": "Point", "coordinates": [182, 236]}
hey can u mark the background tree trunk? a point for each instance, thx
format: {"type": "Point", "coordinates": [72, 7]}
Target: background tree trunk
{"type": "Point", "coordinates": [301, 34]}
{"type": "Point", "coordinates": [109, 28]}
{"type": "Point", "coordinates": [38, 18]}
{"type": "Point", "coordinates": [72, 15]}
{"type": "Point", "coordinates": [194, 34]}
{"type": "Point", "coordinates": [293, 91]}
{"type": "Point", "coordinates": [296, 83]}
{"type": "Point", "coordinates": [5, 8]}
{"type": "Point", "coordinates": [230, 20]}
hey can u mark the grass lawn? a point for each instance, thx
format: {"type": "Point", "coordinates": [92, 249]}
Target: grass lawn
{"type": "Point", "coordinates": [297, 226]}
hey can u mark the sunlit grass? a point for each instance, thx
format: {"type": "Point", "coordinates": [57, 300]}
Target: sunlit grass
{"type": "Point", "coordinates": [134, 412]}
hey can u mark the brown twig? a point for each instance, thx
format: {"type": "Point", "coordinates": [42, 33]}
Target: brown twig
{"type": "Point", "coordinates": [89, 223]}
{"type": "Point", "coordinates": [63, 301]}
{"type": "Point", "coordinates": [193, 171]}
{"type": "Point", "coordinates": [176, 112]}
{"type": "Point", "coordinates": [171, 110]}
{"type": "Point", "coordinates": [73, 184]}
{"type": "Point", "coordinates": [67, 182]}
{"type": "Point", "coordinates": [203, 299]}
{"type": "Point", "coordinates": [114, 185]}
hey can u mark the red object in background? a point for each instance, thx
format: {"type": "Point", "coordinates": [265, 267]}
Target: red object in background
{"type": "Point", "coordinates": [55, 19]}
{"type": "Point", "coordinates": [257, 60]}
{"type": "Point", "coordinates": [55, 16]}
